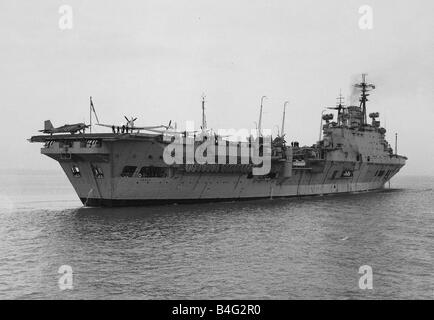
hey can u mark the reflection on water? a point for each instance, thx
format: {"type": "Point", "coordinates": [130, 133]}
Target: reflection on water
{"type": "Point", "coordinates": [282, 249]}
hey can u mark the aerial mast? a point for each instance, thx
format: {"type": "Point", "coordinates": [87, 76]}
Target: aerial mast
{"type": "Point", "coordinates": [282, 133]}
{"type": "Point", "coordinates": [366, 87]}
{"type": "Point", "coordinates": [340, 106]}
{"type": "Point", "coordinates": [90, 114]}
{"type": "Point", "coordinates": [260, 117]}
{"type": "Point", "coordinates": [340, 99]}
{"type": "Point", "coordinates": [203, 114]}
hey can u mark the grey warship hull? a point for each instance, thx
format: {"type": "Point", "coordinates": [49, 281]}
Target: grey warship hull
{"type": "Point", "coordinates": [128, 170]}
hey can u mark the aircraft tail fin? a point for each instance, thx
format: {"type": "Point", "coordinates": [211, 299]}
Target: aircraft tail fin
{"type": "Point", "coordinates": [48, 125]}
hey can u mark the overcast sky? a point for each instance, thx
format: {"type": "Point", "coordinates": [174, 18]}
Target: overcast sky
{"type": "Point", "coordinates": [154, 59]}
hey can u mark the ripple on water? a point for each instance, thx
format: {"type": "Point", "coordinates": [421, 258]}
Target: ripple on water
{"type": "Point", "coordinates": [282, 249]}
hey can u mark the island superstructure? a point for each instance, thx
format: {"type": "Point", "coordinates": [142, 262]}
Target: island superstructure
{"type": "Point", "coordinates": [129, 168]}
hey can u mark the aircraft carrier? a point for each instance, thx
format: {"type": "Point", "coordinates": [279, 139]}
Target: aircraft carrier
{"type": "Point", "coordinates": [129, 167]}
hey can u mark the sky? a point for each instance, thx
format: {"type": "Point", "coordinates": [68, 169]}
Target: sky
{"type": "Point", "coordinates": [155, 59]}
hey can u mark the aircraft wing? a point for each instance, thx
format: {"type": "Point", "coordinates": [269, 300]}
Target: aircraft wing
{"type": "Point", "coordinates": [156, 131]}
{"type": "Point", "coordinates": [171, 132]}
{"type": "Point", "coordinates": [148, 128]}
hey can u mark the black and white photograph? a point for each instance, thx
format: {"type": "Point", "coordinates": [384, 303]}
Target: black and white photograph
{"type": "Point", "coordinates": [198, 151]}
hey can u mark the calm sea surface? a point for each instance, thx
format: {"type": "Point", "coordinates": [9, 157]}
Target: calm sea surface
{"type": "Point", "coordinates": [271, 249]}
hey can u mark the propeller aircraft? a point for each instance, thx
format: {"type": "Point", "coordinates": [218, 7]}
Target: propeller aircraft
{"type": "Point", "coordinates": [130, 127]}
{"type": "Point", "coordinates": [71, 128]}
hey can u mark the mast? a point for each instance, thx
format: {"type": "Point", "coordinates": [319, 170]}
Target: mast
{"type": "Point", "coordinates": [366, 87]}
{"type": "Point", "coordinates": [340, 99]}
{"type": "Point", "coordinates": [260, 117]}
{"type": "Point", "coordinates": [282, 133]}
{"type": "Point", "coordinates": [340, 106]}
{"type": "Point", "coordinates": [90, 115]}
{"type": "Point", "coordinates": [396, 143]}
{"type": "Point", "coordinates": [203, 114]}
